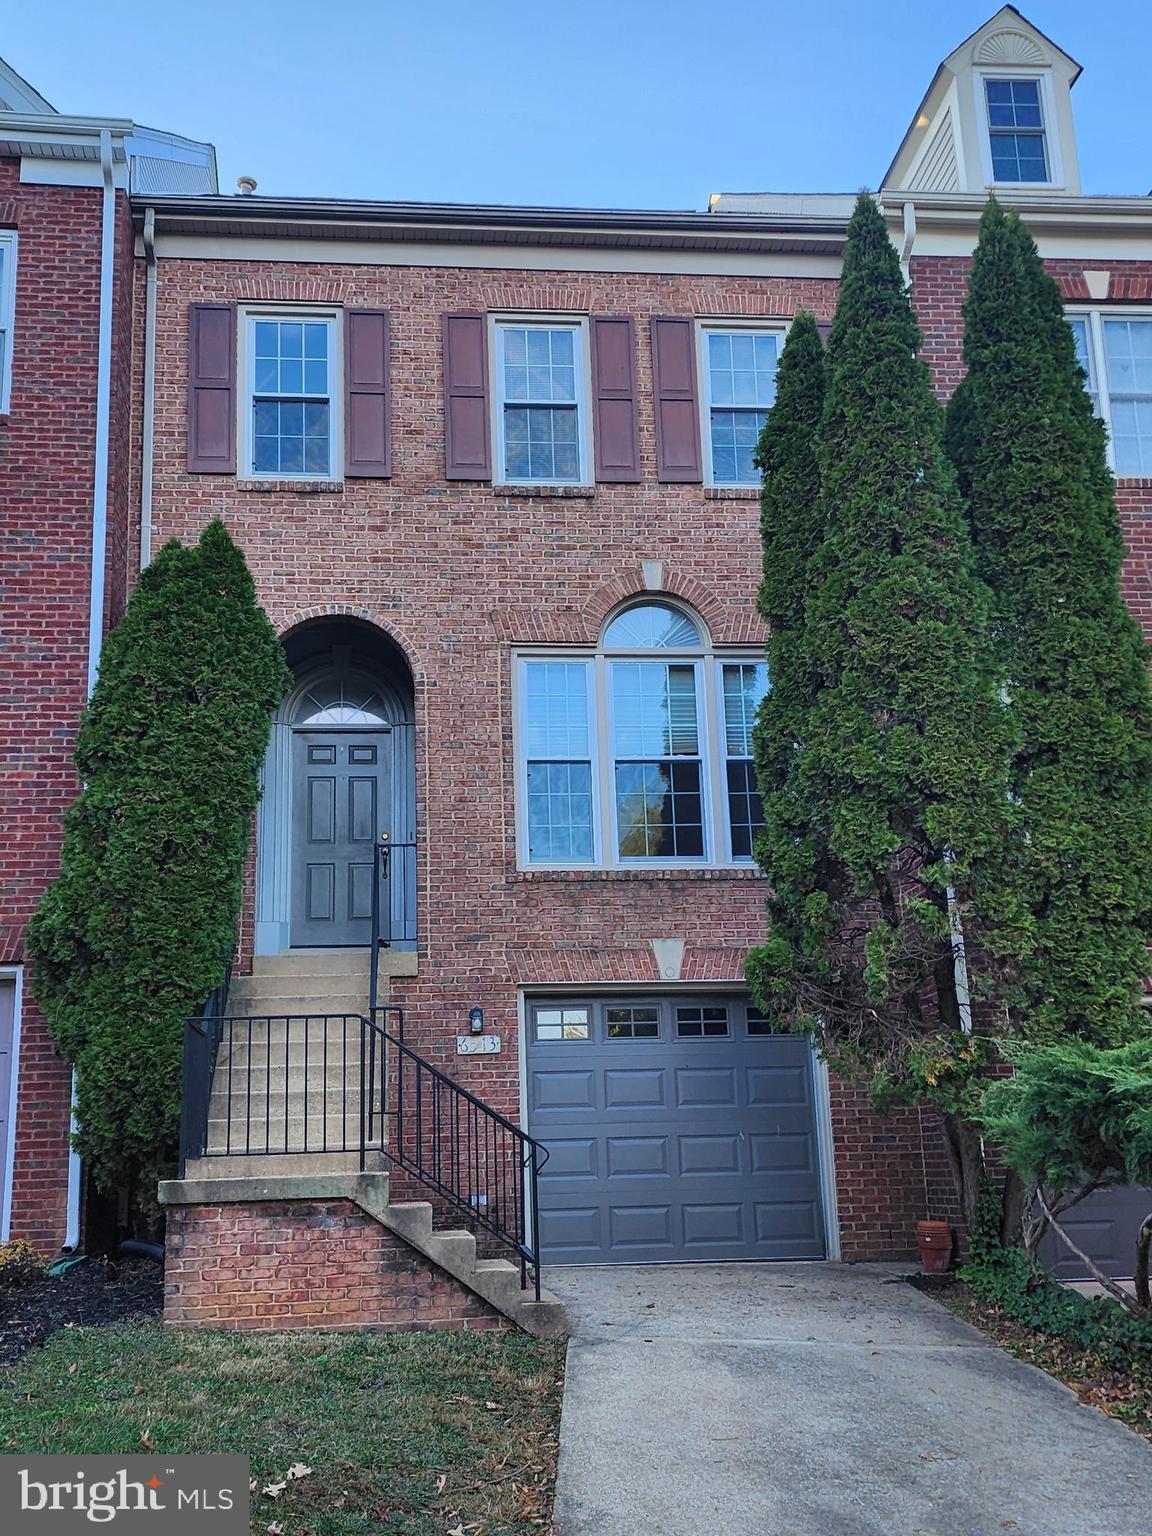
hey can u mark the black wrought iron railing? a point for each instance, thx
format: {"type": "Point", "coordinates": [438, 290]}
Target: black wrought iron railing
{"type": "Point", "coordinates": [291, 1084]}
{"type": "Point", "coordinates": [475, 1159]}
{"type": "Point", "coordinates": [201, 1040]}
{"type": "Point", "coordinates": [393, 903]}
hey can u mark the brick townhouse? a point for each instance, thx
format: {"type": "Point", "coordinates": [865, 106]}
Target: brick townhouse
{"type": "Point", "coordinates": [492, 470]}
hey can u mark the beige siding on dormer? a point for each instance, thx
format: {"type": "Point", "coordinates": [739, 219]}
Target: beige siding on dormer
{"type": "Point", "coordinates": [937, 170]}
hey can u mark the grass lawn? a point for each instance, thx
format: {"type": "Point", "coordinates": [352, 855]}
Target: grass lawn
{"type": "Point", "coordinates": [416, 1433]}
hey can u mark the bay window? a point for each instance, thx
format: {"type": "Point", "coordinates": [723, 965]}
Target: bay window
{"type": "Point", "coordinates": [639, 753]}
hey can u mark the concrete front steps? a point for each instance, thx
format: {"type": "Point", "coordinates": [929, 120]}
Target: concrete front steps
{"type": "Point", "coordinates": [497, 1281]}
{"type": "Point", "coordinates": [287, 1075]}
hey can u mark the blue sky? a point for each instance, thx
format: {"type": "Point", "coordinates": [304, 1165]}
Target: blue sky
{"type": "Point", "coordinates": [624, 103]}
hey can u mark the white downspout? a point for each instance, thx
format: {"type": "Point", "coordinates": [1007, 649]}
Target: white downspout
{"type": "Point", "coordinates": [149, 389]}
{"type": "Point", "coordinates": [909, 240]}
{"type": "Point", "coordinates": [99, 549]}
{"type": "Point", "coordinates": [103, 414]}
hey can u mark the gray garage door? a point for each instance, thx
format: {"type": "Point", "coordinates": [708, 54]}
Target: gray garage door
{"type": "Point", "coordinates": [1105, 1227]}
{"type": "Point", "coordinates": [678, 1129]}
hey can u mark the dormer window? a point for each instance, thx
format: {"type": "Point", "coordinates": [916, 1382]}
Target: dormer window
{"type": "Point", "coordinates": [1016, 131]}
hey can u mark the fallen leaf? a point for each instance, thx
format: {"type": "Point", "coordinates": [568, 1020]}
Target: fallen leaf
{"type": "Point", "coordinates": [274, 1490]}
{"type": "Point", "coordinates": [441, 1481]}
{"type": "Point", "coordinates": [492, 1405]}
{"type": "Point", "coordinates": [73, 1368]}
{"type": "Point", "coordinates": [146, 1438]}
{"type": "Point", "coordinates": [298, 1469]}
{"type": "Point", "coordinates": [275, 1529]}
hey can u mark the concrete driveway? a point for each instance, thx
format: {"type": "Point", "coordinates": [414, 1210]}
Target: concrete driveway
{"type": "Point", "coordinates": [819, 1400]}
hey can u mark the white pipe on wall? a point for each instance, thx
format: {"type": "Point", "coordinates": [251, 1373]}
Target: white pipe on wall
{"type": "Point", "coordinates": [148, 434]}
{"type": "Point", "coordinates": [99, 548]}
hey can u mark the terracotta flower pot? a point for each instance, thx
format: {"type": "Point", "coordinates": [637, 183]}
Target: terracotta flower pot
{"type": "Point", "coordinates": [934, 1239]}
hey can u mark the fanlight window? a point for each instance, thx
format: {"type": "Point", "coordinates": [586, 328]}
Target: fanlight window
{"type": "Point", "coordinates": [652, 627]}
{"type": "Point", "coordinates": [341, 701]}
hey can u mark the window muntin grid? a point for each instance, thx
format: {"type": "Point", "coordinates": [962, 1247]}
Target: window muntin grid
{"type": "Point", "coordinates": [741, 377]}
{"type": "Point", "coordinates": [1117, 349]}
{"type": "Point", "coordinates": [557, 741]}
{"type": "Point", "coordinates": [291, 426]}
{"type": "Point", "coordinates": [623, 754]}
{"type": "Point", "coordinates": [539, 379]}
{"type": "Point", "coordinates": [1016, 135]}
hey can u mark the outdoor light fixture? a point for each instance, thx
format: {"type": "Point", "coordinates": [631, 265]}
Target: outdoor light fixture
{"type": "Point", "coordinates": [476, 1021]}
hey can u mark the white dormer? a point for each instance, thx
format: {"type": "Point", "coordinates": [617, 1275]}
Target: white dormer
{"type": "Point", "coordinates": [997, 116]}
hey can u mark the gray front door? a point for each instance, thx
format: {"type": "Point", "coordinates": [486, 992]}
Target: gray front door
{"type": "Point", "coordinates": [339, 795]}
{"type": "Point", "coordinates": [678, 1129]}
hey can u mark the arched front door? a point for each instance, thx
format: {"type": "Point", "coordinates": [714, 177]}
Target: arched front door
{"type": "Point", "coordinates": [341, 806]}
{"type": "Point", "coordinates": [340, 770]}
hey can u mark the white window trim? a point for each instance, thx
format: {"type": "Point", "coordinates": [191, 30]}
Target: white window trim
{"type": "Point", "coordinates": [537, 320]}
{"type": "Point", "coordinates": [1095, 315]}
{"type": "Point", "coordinates": [708, 661]}
{"type": "Point", "coordinates": [758, 325]}
{"type": "Point", "coordinates": [8, 239]}
{"type": "Point", "coordinates": [1048, 121]}
{"type": "Point", "coordinates": [246, 372]}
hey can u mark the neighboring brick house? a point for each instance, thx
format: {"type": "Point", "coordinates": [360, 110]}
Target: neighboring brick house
{"type": "Point", "coordinates": [491, 468]}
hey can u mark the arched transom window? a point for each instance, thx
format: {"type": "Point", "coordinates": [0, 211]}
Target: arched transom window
{"type": "Point", "coordinates": [639, 752]}
{"type": "Point", "coordinates": [345, 700]}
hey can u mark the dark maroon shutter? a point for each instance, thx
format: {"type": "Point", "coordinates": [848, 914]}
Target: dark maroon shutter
{"type": "Point", "coordinates": [466, 453]}
{"type": "Point", "coordinates": [615, 430]}
{"type": "Point", "coordinates": [825, 329]}
{"type": "Point", "coordinates": [367, 397]}
{"type": "Point", "coordinates": [677, 411]}
{"type": "Point", "coordinates": [212, 389]}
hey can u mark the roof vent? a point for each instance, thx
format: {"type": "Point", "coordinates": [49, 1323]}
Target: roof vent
{"type": "Point", "coordinates": [246, 185]}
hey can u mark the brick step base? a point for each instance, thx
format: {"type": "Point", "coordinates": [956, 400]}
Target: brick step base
{"type": "Point", "coordinates": [329, 1250]}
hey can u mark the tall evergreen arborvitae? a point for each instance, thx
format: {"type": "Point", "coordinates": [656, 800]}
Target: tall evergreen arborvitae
{"type": "Point", "coordinates": [791, 532]}
{"type": "Point", "coordinates": [141, 922]}
{"type": "Point", "coordinates": [896, 786]}
{"type": "Point", "coordinates": [1031, 458]}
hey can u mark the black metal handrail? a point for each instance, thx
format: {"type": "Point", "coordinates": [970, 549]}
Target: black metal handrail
{"type": "Point", "coordinates": [388, 858]}
{"type": "Point", "coordinates": [474, 1158]}
{"type": "Point", "coordinates": [284, 1084]}
{"type": "Point", "coordinates": [201, 1042]}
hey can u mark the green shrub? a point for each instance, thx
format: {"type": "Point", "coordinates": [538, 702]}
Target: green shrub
{"type": "Point", "coordinates": [20, 1264]}
{"type": "Point", "coordinates": [141, 922]}
{"type": "Point", "coordinates": [883, 762]}
{"type": "Point", "coordinates": [1008, 1279]}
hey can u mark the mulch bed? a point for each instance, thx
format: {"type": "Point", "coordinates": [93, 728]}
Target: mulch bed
{"type": "Point", "coordinates": [1120, 1394]}
{"type": "Point", "coordinates": [91, 1294]}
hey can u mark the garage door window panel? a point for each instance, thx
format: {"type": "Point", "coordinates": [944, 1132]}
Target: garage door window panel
{"type": "Point", "coordinates": [633, 1024]}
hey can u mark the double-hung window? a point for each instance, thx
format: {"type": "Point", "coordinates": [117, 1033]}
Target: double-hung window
{"type": "Point", "coordinates": [1115, 351]}
{"type": "Point", "coordinates": [640, 752]}
{"type": "Point", "coordinates": [541, 420]}
{"type": "Point", "coordinates": [1016, 137]}
{"type": "Point", "coordinates": [739, 368]}
{"type": "Point", "coordinates": [7, 313]}
{"type": "Point", "coordinates": [291, 427]}
{"type": "Point", "coordinates": [743, 685]}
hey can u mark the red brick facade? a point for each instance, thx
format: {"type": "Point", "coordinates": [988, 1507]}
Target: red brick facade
{"type": "Point", "coordinates": [457, 575]}
{"type": "Point", "coordinates": [305, 1264]}
{"type": "Point", "coordinates": [47, 456]}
